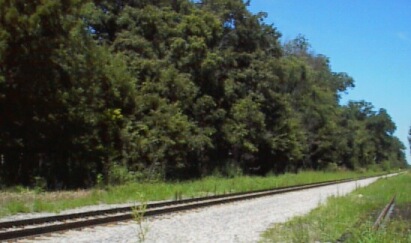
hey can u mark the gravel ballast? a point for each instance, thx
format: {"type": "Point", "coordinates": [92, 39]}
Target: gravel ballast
{"type": "Point", "coordinates": [234, 222]}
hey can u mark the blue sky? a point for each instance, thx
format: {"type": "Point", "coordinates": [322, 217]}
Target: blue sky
{"type": "Point", "coordinates": [368, 39]}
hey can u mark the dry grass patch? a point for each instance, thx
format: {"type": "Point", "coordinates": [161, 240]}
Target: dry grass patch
{"type": "Point", "coordinates": [46, 196]}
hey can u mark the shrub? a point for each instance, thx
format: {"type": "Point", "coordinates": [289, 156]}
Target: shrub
{"type": "Point", "coordinates": [119, 175]}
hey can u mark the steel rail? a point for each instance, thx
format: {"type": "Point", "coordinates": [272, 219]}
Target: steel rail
{"type": "Point", "coordinates": [385, 213]}
{"type": "Point", "coordinates": [105, 216]}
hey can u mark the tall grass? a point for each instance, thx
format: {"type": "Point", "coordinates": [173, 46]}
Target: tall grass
{"type": "Point", "coordinates": [37, 201]}
{"type": "Point", "coordinates": [350, 218]}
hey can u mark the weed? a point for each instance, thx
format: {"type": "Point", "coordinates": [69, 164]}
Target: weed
{"type": "Point", "coordinates": [300, 232]}
{"type": "Point", "coordinates": [40, 184]}
{"type": "Point", "coordinates": [178, 196]}
{"type": "Point", "coordinates": [138, 213]}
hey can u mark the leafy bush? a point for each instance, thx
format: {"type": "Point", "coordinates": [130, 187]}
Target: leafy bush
{"type": "Point", "coordinates": [332, 167]}
{"type": "Point", "coordinates": [40, 184]}
{"type": "Point", "coordinates": [119, 175]}
{"type": "Point", "coordinates": [232, 170]}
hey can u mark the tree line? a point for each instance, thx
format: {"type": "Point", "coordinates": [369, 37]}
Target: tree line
{"type": "Point", "coordinates": [169, 90]}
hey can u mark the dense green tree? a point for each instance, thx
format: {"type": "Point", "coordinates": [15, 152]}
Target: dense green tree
{"type": "Point", "coordinates": [409, 138]}
{"type": "Point", "coordinates": [62, 96]}
{"type": "Point", "coordinates": [369, 137]}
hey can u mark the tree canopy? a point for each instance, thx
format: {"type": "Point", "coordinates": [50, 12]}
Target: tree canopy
{"type": "Point", "coordinates": [171, 90]}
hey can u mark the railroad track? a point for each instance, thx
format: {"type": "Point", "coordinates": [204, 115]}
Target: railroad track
{"type": "Point", "coordinates": [12, 230]}
{"type": "Point", "coordinates": [385, 214]}
{"type": "Point", "coordinates": [379, 222]}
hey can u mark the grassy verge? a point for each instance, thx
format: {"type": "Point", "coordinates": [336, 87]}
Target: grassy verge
{"type": "Point", "coordinates": [25, 200]}
{"type": "Point", "coordinates": [350, 218]}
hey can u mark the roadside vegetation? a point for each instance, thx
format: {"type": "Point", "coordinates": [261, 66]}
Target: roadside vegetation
{"type": "Point", "coordinates": [23, 200]}
{"type": "Point", "coordinates": [350, 218]}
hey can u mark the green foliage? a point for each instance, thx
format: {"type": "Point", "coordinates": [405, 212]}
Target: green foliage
{"type": "Point", "coordinates": [171, 90]}
{"type": "Point", "coordinates": [119, 175]}
{"type": "Point", "coordinates": [100, 181]}
{"type": "Point", "coordinates": [40, 184]}
{"type": "Point", "coordinates": [409, 138]}
{"type": "Point", "coordinates": [332, 167]}
{"type": "Point", "coordinates": [230, 170]}
{"type": "Point", "coordinates": [59, 84]}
